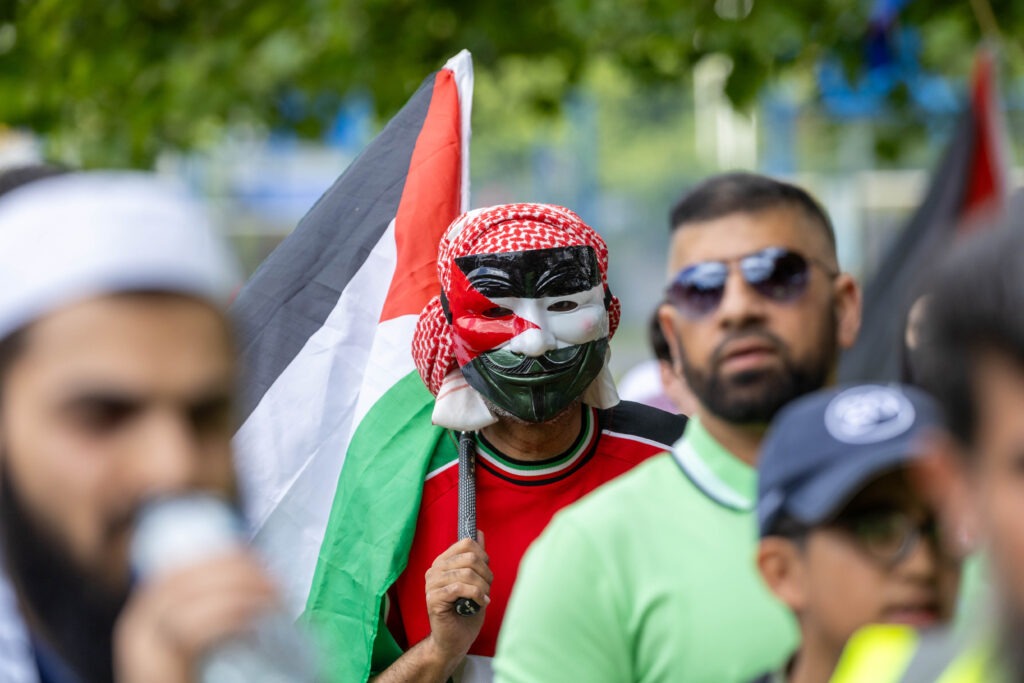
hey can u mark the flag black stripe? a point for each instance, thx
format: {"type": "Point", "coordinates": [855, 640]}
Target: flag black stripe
{"type": "Point", "coordinates": [888, 296]}
{"type": "Point", "coordinates": [294, 290]}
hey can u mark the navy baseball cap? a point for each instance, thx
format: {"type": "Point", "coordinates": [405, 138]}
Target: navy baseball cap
{"type": "Point", "coordinates": [824, 447]}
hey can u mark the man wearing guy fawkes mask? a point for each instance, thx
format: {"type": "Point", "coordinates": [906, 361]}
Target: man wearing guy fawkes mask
{"type": "Point", "coordinates": [515, 349]}
{"type": "Point", "coordinates": [551, 306]}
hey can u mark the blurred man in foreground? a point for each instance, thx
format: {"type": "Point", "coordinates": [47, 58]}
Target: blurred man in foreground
{"type": "Point", "coordinates": [846, 539]}
{"type": "Point", "coordinates": [652, 578]}
{"type": "Point", "coordinates": [975, 332]}
{"type": "Point", "coordinates": [116, 385]}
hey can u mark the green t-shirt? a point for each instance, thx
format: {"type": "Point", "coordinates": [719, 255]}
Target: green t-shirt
{"type": "Point", "coordinates": [652, 577]}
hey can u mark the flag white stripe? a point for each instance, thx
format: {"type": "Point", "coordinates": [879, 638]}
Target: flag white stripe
{"type": "Point", "coordinates": [461, 66]}
{"type": "Point", "coordinates": [390, 361]}
{"type": "Point", "coordinates": [291, 449]}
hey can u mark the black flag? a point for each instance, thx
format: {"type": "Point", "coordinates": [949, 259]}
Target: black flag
{"type": "Point", "coordinates": [968, 188]}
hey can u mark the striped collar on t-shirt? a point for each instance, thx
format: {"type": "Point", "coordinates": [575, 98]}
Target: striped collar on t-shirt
{"type": "Point", "coordinates": [543, 471]}
{"type": "Point", "coordinates": [716, 472]}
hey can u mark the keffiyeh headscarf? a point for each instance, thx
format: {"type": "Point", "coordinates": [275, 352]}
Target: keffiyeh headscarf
{"type": "Point", "coordinates": [499, 229]}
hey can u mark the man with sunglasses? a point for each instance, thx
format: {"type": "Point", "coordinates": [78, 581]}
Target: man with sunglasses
{"type": "Point", "coordinates": [846, 539]}
{"type": "Point", "coordinates": [651, 578]}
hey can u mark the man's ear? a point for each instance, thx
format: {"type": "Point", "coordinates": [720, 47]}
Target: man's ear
{"type": "Point", "coordinates": [943, 478]}
{"type": "Point", "coordinates": [848, 309]}
{"type": "Point", "coordinates": [781, 564]}
{"type": "Point", "coordinates": [666, 318]}
{"type": "Point", "coordinates": [669, 377]}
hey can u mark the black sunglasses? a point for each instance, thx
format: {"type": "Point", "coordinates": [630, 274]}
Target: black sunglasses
{"type": "Point", "coordinates": [889, 536]}
{"type": "Point", "coordinates": [775, 273]}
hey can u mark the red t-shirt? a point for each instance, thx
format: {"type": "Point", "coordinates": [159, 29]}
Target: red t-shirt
{"type": "Point", "coordinates": [514, 502]}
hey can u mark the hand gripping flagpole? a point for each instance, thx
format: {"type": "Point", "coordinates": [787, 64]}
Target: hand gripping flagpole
{"type": "Point", "coordinates": [467, 506]}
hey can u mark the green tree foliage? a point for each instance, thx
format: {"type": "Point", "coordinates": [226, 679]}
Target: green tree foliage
{"type": "Point", "coordinates": [115, 81]}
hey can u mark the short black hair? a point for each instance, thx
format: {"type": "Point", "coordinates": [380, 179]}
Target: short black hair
{"type": "Point", "coordinates": [975, 306]}
{"type": "Point", "coordinates": [742, 192]}
{"type": "Point", "coordinates": [790, 528]}
{"type": "Point", "coordinates": [659, 345]}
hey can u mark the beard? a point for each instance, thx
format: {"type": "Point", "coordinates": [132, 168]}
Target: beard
{"type": "Point", "coordinates": [754, 397]}
{"type": "Point", "coordinates": [67, 606]}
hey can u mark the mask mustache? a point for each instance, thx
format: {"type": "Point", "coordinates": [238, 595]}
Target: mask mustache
{"type": "Point", "coordinates": [534, 365]}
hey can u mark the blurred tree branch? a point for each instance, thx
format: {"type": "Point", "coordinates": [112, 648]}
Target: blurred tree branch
{"type": "Point", "coordinates": [113, 82]}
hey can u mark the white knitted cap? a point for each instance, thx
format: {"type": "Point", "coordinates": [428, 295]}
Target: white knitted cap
{"type": "Point", "coordinates": [80, 235]}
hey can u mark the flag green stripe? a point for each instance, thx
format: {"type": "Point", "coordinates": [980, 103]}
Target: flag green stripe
{"type": "Point", "coordinates": [371, 524]}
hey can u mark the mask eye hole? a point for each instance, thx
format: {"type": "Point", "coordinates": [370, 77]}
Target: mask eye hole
{"type": "Point", "coordinates": [497, 312]}
{"type": "Point", "coordinates": [563, 306]}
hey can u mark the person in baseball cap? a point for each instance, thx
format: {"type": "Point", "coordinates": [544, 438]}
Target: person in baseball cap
{"type": "Point", "coordinates": [847, 539]}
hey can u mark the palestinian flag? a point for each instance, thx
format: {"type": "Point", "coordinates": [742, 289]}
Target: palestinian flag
{"type": "Point", "coordinates": [968, 191]}
{"type": "Point", "coordinates": [327, 323]}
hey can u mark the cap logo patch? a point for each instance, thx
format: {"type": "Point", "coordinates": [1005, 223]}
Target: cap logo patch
{"type": "Point", "coordinates": [871, 414]}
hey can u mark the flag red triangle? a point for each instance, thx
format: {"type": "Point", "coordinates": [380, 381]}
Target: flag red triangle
{"type": "Point", "coordinates": [430, 202]}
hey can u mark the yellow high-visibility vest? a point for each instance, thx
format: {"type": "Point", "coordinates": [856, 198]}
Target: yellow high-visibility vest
{"type": "Point", "coordinates": [900, 654]}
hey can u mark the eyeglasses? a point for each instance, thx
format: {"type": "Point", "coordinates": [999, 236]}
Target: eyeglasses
{"type": "Point", "coordinates": [775, 273]}
{"type": "Point", "coordinates": [889, 535]}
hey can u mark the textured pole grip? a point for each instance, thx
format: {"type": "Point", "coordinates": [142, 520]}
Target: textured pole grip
{"type": "Point", "coordinates": [467, 506]}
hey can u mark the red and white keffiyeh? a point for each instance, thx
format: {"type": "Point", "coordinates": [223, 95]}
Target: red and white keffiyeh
{"type": "Point", "coordinates": [497, 229]}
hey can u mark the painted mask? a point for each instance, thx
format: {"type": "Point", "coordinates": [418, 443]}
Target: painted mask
{"type": "Point", "coordinates": [530, 328]}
